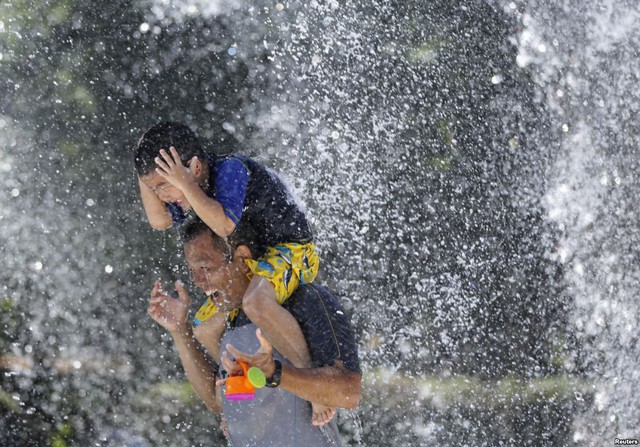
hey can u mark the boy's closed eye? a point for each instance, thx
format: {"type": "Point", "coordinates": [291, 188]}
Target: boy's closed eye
{"type": "Point", "coordinates": [161, 187]}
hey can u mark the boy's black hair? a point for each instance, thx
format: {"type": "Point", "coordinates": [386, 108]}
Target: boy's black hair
{"type": "Point", "coordinates": [193, 227]}
{"type": "Point", "coordinates": [163, 136]}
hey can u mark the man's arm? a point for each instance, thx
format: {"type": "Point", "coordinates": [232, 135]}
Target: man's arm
{"type": "Point", "coordinates": [157, 214]}
{"type": "Point", "coordinates": [333, 386]}
{"type": "Point", "coordinates": [171, 313]}
{"type": "Point", "coordinates": [199, 371]}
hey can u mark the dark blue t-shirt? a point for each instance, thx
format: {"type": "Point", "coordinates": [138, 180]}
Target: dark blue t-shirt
{"type": "Point", "coordinates": [325, 326]}
{"type": "Point", "coordinates": [253, 195]}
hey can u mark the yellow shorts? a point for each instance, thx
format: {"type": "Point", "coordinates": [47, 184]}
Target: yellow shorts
{"type": "Point", "coordinates": [206, 311]}
{"type": "Point", "coordinates": [286, 266]}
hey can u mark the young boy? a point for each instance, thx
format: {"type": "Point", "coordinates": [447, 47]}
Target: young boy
{"type": "Point", "coordinates": [177, 177]}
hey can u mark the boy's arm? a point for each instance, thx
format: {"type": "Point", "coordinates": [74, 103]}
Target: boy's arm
{"type": "Point", "coordinates": [171, 313]}
{"type": "Point", "coordinates": [209, 210]}
{"type": "Point", "coordinates": [157, 214]}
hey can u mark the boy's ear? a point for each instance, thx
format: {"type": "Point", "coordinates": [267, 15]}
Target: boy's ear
{"type": "Point", "coordinates": [195, 166]}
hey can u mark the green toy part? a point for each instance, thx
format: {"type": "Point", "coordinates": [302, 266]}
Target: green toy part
{"type": "Point", "coordinates": [256, 377]}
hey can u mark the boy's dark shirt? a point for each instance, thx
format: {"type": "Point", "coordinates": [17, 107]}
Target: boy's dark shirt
{"type": "Point", "coordinates": [253, 196]}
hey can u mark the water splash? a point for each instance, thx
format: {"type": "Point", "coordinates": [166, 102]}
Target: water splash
{"type": "Point", "coordinates": [422, 148]}
{"type": "Point", "coordinates": [589, 74]}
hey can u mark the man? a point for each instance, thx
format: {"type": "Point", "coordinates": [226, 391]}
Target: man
{"type": "Point", "coordinates": [280, 414]}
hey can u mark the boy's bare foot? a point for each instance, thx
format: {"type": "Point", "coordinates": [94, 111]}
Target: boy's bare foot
{"type": "Point", "coordinates": [321, 414]}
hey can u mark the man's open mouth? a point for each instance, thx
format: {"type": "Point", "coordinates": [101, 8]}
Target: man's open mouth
{"type": "Point", "coordinates": [215, 296]}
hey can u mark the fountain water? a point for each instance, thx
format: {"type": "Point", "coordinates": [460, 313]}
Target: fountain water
{"type": "Point", "coordinates": [469, 168]}
{"type": "Point", "coordinates": [584, 57]}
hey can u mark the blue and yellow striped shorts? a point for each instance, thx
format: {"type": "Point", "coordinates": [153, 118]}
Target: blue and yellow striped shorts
{"type": "Point", "coordinates": [287, 266]}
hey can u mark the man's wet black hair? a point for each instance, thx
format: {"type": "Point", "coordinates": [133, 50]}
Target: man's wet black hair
{"type": "Point", "coordinates": [194, 227]}
{"type": "Point", "coordinates": [163, 136]}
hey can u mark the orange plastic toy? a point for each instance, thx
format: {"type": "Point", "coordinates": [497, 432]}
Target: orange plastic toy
{"type": "Point", "coordinates": [244, 387]}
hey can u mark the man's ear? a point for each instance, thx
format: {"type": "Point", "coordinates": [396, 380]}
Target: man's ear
{"type": "Point", "coordinates": [242, 252]}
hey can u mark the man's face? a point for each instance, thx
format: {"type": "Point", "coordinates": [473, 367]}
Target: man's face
{"type": "Point", "coordinates": [165, 190]}
{"type": "Point", "coordinates": [225, 281]}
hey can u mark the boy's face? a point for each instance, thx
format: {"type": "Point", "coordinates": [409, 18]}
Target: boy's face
{"type": "Point", "coordinates": [225, 281]}
{"type": "Point", "coordinates": [165, 190]}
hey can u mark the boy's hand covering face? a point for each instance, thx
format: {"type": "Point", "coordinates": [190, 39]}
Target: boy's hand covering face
{"type": "Point", "coordinates": [170, 313]}
{"type": "Point", "coordinates": [170, 168]}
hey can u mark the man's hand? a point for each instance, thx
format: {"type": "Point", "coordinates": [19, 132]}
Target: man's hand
{"type": "Point", "coordinates": [170, 313]}
{"type": "Point", "coordinates": [170, 168]}
{"type": "Point", "coordinates": [262, 359]}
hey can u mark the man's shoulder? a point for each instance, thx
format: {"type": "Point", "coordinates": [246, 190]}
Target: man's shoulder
{"type": "Point", "coordinates": [326, 326]}
{"type": "Point", "coordinates": [314, 291]}
{"type": "Point", "coordinates": [310, 298]}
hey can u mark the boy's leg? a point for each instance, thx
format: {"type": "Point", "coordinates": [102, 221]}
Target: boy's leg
{"type": "Point", "coordinates": [209, 333]}
{"type": "Point", "coordinates": [283, 331]}
{"type": "Point", "coordinates": [277, 324]}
